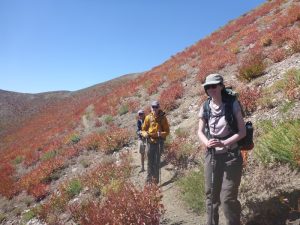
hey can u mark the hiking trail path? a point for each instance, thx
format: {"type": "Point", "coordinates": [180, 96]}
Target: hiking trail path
{"type": "Point", "coordinates": [177, 212]}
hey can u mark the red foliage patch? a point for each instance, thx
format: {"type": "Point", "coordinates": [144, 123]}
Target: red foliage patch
{"type": "Point", "coordinates": [252, 65]}
{"type": "Point", "coordinates": [277, 55]}
{"type": "Point", "coordinates": [248, 98]}
{"type": "Point", "coordinates": [107, 142]}
{"type": "Point", "coordinates": [168, 97]}
{"type": "Point", "coordinates": [126, 206]}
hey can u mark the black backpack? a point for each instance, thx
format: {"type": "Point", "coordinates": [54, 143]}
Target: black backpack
{"type": "Point", "coordinates": [228, 98]}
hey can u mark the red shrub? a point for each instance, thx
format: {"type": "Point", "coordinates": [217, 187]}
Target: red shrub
{"type": "Point", "coordinates": [175, 74]}
{"type": "Point", "coordinates": [98, 123]}
{"type": "Point", "coordinates": [248, 98]}
{"type": "Point", "coordinates": [39, 191]}
{"type": "Point", "coordinates": [168, 97]}
{"type": "Point", "coordinates": [252, 37]}
{"type": "Point", "coordinates": [133, 105]}
{"type": "Point", "coordinates": [7, 187]}
{"type": "Point", "coordinates": [109, 141]}
{"type": "Point", "coordinates": [105, 173]}
{"type": "Point", "coordinates": [294, 43]}
{"type": "Point", "coordinates": [126, 206]}
{"type": "Point", "coordinates": [288, 18]}
{"type": "Point", "coordinates": [40, 175]}
{"type": "Point", "coordinates": [277, 55]}
{"type": "Point", "coordinates": [152, 81]}
{"type": "Point", "coordinates": [53, 207]}
{"type": "Point", "coordinates": [252, 65]}
{"type": "Point", "coordinates": [278, 35]}
{"type": "Point", "coordinates": [180, 152]}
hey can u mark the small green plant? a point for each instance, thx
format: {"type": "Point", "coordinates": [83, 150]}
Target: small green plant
{"type": "Point", "coordinates": [287, 106]}
{"type": "Point", "coordinates": [74, 188]}
{"type": "Point", "coordinates": [108, 119]}
{"type": "Point", "coordinates": [181, 132]}
{"type": "Point", "coordinates": [49, 155]}
{"type": "Point", "coordinates": [89, 112]}
{"type": "Point", "coordinates": [123, 110]}
{"type": "Point", "coordinates": [279, 143]}
{"type": "Point", "coordinates": [74, 138]}
{"type": "Point", "coordinates": [28, 215]}
{"type": "Point", "coordinates": [55, 175]}
{"type": "Point", "coordinates": [252, 66]}
{"type": "Point", "coordinates": [2, 217]}
{"type": "Point", "coordinates": [193, 191]}
{"type": "Point", "coordinates": [84, 163]}
{"type": "Point", "coordinates": [18, 160]}
{"type": "Point", "coordinates": [292, 84]}
{"type": "Point", "coordinates": [289, 85]}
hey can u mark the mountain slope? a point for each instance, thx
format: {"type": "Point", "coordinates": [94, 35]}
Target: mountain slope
{"type": "Point", "coordinates": [254, 53]}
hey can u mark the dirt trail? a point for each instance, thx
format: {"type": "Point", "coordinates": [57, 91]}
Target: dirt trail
{"type": "Point", "coordinates": [176, 211]}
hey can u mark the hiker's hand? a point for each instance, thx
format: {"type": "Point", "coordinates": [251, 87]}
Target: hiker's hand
{"type": "Point", "coordinates": [212, 143]}
{"type": "Point", "coordinates": [145, 134]}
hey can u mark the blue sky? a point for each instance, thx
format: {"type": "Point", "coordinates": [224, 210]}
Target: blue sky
{"type": "Point", "coordinates": [49, 45]}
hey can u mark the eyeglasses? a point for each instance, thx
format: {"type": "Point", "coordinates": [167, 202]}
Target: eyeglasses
{"type": "Point", "coordinates": [155, 107]}
{"type": "Point", "coordinates": [212, 86]}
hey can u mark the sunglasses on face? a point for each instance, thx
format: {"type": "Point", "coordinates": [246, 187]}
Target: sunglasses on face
{"type": "Point", "coordinates": [155, 107]}
{"type": "Point", "coordinates": [212, 86]}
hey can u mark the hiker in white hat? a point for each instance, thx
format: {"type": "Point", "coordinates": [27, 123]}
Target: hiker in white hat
{"type": "Point", "coordinates": [221, 126]}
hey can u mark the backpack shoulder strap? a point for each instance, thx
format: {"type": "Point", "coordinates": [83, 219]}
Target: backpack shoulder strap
{"type": "Point", "coordinates": [206, 115]}
{"type": "Point", "coordinates": [206, 110]}
{"type": "Point", "coordinates": [229, 115]}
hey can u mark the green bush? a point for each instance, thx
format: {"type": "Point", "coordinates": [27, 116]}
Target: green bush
{"type": "Point", "coordinates": [2, 217]}
{"type": "Point", "coordinates": [18, 160]}
{"type": "Point", "coordinates": [193, 191]}
{"type": "Point", "coordinates": [279, 143]}
{"type": "Point", "coordinates": [252, 66]}
{"type": "Point", "coordinates": [181, 132]}
{"type": "Point", "coordinates": [74, 188]}
{"type": "Point", "coordinates": [28, 216]}
{"type": "Point", "coordinates": [289, 85]}
{"type": "Point", "coordinates": [287, 106]}
{"type": "Point", "coordinates": [108, 119]}
{"type": "Point", "coordinates": [123, 110]}
{"type": "Point", "coordinates": [49, 155]}
{"type": "Point", "coordinates": [74, 139]}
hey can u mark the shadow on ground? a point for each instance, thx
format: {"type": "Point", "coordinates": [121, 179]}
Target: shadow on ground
{"type": "Point", "coordinates": [282, 210]}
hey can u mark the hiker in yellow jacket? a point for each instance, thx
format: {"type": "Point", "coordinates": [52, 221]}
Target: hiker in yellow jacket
{"type": "Point", "coordinates": [155, 128]}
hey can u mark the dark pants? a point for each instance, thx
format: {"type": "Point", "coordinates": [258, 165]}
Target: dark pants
{"type": "Point", "coordinates": [153, 154]}
{"type": "Point", "coordinates": [227, 178]}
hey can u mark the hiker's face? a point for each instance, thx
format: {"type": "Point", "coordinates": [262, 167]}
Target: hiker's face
{"type": "Point", "coordinates": [141, 116]}
{"type": "Point", "coordinates": [155, 109]}
{"type": "Point", "coordinates": [213, 89]}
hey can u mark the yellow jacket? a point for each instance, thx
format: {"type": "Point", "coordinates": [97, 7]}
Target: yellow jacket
{"type": "Point", "coordinates": [153, 124]}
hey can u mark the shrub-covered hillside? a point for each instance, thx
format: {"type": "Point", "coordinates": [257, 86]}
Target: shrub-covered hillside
{"type": "Point", "coordinates": [72, 160]}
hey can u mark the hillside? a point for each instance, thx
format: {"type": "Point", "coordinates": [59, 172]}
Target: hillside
{"type": "Point", "coordinates": [71, 157]}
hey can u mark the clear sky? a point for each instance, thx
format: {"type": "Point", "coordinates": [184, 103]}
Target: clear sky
{"type": "Point", "coordinates": [49, 45]}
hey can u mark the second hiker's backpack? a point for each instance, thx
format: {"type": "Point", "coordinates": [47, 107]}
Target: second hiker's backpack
{"type": "Point", "coordinates": [228, 98]}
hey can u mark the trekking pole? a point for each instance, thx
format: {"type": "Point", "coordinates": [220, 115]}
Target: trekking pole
{"type": "Point", "coordinates": [213, 164]}
{"type": "Point", "coordinates": [159, 150]}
